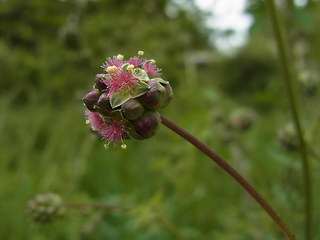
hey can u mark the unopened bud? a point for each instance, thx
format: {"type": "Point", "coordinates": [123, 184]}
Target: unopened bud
{"type": "Point", "coordinates": [132, 109]}
{"type": "Point", "coordinates": [155, 97]}
{"type": "Point", "coordinates": [99, 82]}
{"type": "Point", "coordinates": [103, 103]}
{"type": "Point", "coordinates": [90, 100]}
{"type": "Point", "coordinates": [147, 125]}
{"type": "Point", "coordinates": [45, 208]}
{"type": "Point", "coordinates": [169, 94]}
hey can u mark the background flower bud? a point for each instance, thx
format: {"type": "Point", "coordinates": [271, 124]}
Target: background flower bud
{"type": "Point", "coordinates": [99, 82]}
{"type": "Point", "coordinates": [90, 100]}
{"type": "Point", "coordinates": [132, 109]}
{"type": "Point", "coordinates": [147, 125]}
{"type": "Point", "coordinates": [155, 97]}
{"type": "Point", "coordinates": [45, 208]}
{"type": "Point", "coordinates": [103, 104]}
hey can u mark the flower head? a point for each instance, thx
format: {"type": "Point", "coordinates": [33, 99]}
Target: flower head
{"type": "Point", "coordinates": [125, 99]}
{"type": "Point", "coordinates": [45, 208]}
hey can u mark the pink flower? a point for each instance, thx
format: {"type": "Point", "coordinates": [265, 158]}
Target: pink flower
{"type": "Point", "coordinates": [151, 68]}
{"type": "Point", "coordinates": [112, 62]}
{"type": "Point", "coordinates": [120, 81]}
{"type": "Point", "coordinates": [115, 131]}
{"type": "Point", "coordinates": [96, 122]}
{"type": "Point", "coordinates": [112, 130]}
{"type": "Point", "coordinates": [135, 61]}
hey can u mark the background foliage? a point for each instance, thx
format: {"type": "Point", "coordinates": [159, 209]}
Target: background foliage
{"type": "Point", "coordinates": [50, 52]}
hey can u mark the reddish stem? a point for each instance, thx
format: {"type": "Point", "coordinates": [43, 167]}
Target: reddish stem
{"type": "Point", "coordinates": [233, 173]}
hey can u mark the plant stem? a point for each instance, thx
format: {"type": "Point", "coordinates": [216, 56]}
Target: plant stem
{"type": "Point", "coordinates": [232, 172]}
{"type": "Point", "coordinates": [95, 205]}
{"type": "Point", "coordinates": [288, 78]}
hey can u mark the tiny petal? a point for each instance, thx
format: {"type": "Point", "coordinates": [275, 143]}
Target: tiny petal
{"type": "Point", "coordinates": [140, 53]}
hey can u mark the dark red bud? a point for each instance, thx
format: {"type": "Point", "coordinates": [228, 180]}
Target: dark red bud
{"type": "Point", "coordinates": [104, 104]}
{"type": "Point", "coordinates": [99, 82]}
{"type": "Point", "coordinates": [155, 97]}
{"type": "Point", "coordinates": [132, 109]}
{"type": "Point", "coordinates": [90, 100]}
{"type": "Point", "coordinates": [147, 125]}
{"type": "Point", "coordinates": [169, 94]}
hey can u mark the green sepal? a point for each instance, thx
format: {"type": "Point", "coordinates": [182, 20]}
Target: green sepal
{"type": "Point", "coordinates": [132, 132]}
{"type": "Point", "coordinates": [160, 80]}
{"type": "Point", "coordinates": [114, 115]}
{"type": "Point", "coordinates": [141, 74]}
{"type": "Point", "coordinates": [117, 99]}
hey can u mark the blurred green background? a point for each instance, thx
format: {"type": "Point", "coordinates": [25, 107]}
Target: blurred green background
{"type": "Point", "coordinates": [50, 52]}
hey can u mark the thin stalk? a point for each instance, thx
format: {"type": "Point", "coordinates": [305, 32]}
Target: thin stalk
{"type": "Point", "coordinates": [288, 78]}
{"type": "Point", "coordinates": [233, 173]}
{"type": "Point", "coordinates": [95, 205]}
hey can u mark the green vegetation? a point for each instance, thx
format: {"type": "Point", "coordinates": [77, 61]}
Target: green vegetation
{"type": "Point", "coordinates": [163, 188]}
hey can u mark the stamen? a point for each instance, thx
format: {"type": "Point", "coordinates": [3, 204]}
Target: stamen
{"type": "Point", "coordinates": [130, 67]}
{"type": "Point", "coordinates": [120, 57]}
{"type": "Point", "coordinates": [112, 69]}
{"type": "Point", "coordinates": [124, 146]}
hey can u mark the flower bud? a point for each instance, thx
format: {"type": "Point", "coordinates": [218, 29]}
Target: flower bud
{"type": "Point", "coordinates": [90, 100]}
{"type": "Point", "coordinates": [169, 95]}
{"type": "Point", "coordinates": [155, 97]}
{"type": "Point", "coordinates": [99, 82]}
{"type": "Point", "coordinates": [103, 104]}
{"type": "Point", "coordinates": [45, 208]}
{"type": "Point", "coordinates": [147, 125]}
{"type": "Point", "coordinates": [132, 109]}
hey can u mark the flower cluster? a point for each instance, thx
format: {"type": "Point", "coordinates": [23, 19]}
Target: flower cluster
{"type": "Point", "coordinates": [125, 98]}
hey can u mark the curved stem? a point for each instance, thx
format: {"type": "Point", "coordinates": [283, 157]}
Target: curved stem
{"type": "Point", "coordinates": [233, 173]}
{"type": "Point", "coordinates": [288, 78]}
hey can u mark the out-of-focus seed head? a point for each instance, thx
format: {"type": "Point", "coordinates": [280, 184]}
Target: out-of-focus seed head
{"type": "Point", "coordinates": [309, 82]}
{"type": "Point", "coordinates": [147, 125]}
{"type": "Point", "coordinates": [155, 97]}
{"type": "Point", "coordinates": [91, 99]}
{"type": "Point", "coordinates": [132, 109]}
{"type": "Point", "coordinates": [243, 118]}
{"type": "Point", "coordinates": [45, 208]}
{"type": "Point", "coordinates": [288, 138]}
